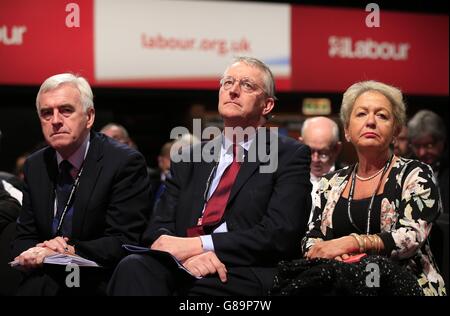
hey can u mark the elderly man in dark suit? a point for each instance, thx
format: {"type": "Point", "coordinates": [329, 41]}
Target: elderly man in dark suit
{"type": "Point", "coordinates": [85, 194]}
{"type": "Point", "coordinates": [228, 219]}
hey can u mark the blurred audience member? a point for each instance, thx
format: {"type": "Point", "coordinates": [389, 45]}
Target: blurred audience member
{"type": "Point", "coordinates": [10, 182]}
{"type": "Point", "coordinates": [20, 161]}
{"type": "Point", "coordinates": [321, 134]}
{"type": "Point", "coordinates": [401, 144]}
{"type": "Point", "coordinates": [9, 209]}
{"type": "Point", "coordinates": [117, 132]}
{"type": "Point", "coordinates": [164, 161]}
{"type": "Point", "coordinates": [427, 135]}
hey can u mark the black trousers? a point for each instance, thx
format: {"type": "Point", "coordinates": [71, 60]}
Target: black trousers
{"type": "Point", "coordinates": [138, 275]}
{"type": "Point", "coordinates": [54, 280]}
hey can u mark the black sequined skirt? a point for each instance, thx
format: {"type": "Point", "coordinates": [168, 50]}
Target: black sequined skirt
{"type": "Point", "coordinates": [372, 276]}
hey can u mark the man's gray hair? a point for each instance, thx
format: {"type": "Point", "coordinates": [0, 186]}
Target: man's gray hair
{"type": "Point", "coordinates": [269, 82]}
{"type": "Point", "coordinates": [424, 123]}
{"type": "Point", "coordinates": [52, 83]}
{"type": "Point", "coordinates": [393, 94]}
{"type": "Point", "coordinates": [334, 129]}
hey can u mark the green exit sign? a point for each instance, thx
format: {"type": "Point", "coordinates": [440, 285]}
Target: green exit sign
{"type": "Point", "coordinates": [316, 106]}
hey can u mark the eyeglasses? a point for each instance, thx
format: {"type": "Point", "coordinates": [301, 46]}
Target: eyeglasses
{"type": "Point", "coordinates": [324, 155]}
{"type": "Point", "coordinates": [426, 146]}
{"type": "Point", "coordinates": [246, 85]}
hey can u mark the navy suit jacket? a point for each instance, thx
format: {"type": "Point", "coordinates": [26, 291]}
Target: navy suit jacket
{"type": "Point", "coordinates": [111, 203]}
{"type": "Point", "coordinates": [266, 213]}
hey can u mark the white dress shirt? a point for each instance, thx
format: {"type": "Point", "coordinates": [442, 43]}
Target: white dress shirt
{"type": "Point", "coordinates": [225, 159]}
{"type": "Point", "coordinates": [315, 183]}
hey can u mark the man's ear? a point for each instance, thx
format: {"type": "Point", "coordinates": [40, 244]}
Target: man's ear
{"type": "Point", "coordinates": [90, 117]}
{"type": "Point", "coordinates": [300, 139]}
{"type": "Point", "coordinates": [269, 103]}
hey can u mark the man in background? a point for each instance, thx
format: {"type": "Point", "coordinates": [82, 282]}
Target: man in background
{"type": "Point", "coordinates": [321, 134]}
{"type": "Point", "coordinates": [117, 132]}
{"type": "Point", "coordinates": [427, 135]}
{"type": "Point", "coordinates": [401, 146]}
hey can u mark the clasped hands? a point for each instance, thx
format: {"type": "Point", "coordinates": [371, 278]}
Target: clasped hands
{"type": "Point", "coordinates": [34, 257]}
{"type": "Point", "coordinates": [190, 252]}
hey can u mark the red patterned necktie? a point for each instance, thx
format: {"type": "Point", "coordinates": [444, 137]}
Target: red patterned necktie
{"type": "Point", "coordinates": [215, 207]}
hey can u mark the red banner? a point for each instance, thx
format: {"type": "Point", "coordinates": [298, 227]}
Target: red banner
{"type": "Point", "coordinates": [333, 48]}
{"type": "Point", "coordinates": [40, 38]}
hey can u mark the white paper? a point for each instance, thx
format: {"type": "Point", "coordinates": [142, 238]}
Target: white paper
{"type": "Point", "coordinates": [64, 260]}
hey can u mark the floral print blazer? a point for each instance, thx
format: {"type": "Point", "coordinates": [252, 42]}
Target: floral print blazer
{"type": "Point", "coordinates": [411, 202]}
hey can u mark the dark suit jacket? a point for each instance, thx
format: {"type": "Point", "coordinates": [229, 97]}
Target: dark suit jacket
{"type": "Point", "coordinates": [9, 209]}
{"type": "Point", "coordinates": [266, 213]}
{"type": "Point", "coordinates": [111, 202]}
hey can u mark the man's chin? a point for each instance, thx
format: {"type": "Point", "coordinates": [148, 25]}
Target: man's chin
{"type": "Point", "coordinates": [59, 145]}
{"type": "Point", "coordinates": [317, 174]}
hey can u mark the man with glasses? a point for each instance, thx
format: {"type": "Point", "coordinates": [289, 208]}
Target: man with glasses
{"type": "Point", "coordinates": [227, 221]}
{"type": "Point", "coordinates": [427, 135]}
{"type": "Point", "coordinates": [321, 134]}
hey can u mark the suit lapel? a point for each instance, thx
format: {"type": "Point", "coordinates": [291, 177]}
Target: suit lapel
{"type": "Point", "coordinates": [248, 168]}
{"type": "Point", "coordinates": [48, 187]}
{"type": "Point", "coordinates": [92, 167]}
{"type": "Point", "coordinates": [205, 170]}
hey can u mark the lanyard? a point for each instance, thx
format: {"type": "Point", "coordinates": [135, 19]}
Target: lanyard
{"type": "Point", "coordinates": [69, 200]}
{"type": "Point", "coordinates": [352, 190]}
{"type": "Point", "coordinates": [209, 182]}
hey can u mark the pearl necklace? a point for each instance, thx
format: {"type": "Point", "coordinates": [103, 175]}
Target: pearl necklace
{"type": "Point", "coordinates": [371, 177]}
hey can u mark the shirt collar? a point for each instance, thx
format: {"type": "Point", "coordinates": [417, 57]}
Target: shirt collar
{"type": "Point", "coordinates": [78, 156]}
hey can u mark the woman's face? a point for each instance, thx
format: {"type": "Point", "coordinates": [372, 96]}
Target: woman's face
{"type": "Point", "coordinates": [371, 124]}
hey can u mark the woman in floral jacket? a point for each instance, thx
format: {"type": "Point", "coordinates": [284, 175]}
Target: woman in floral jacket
{"type": "Point", "coordinates": [383, 204]}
